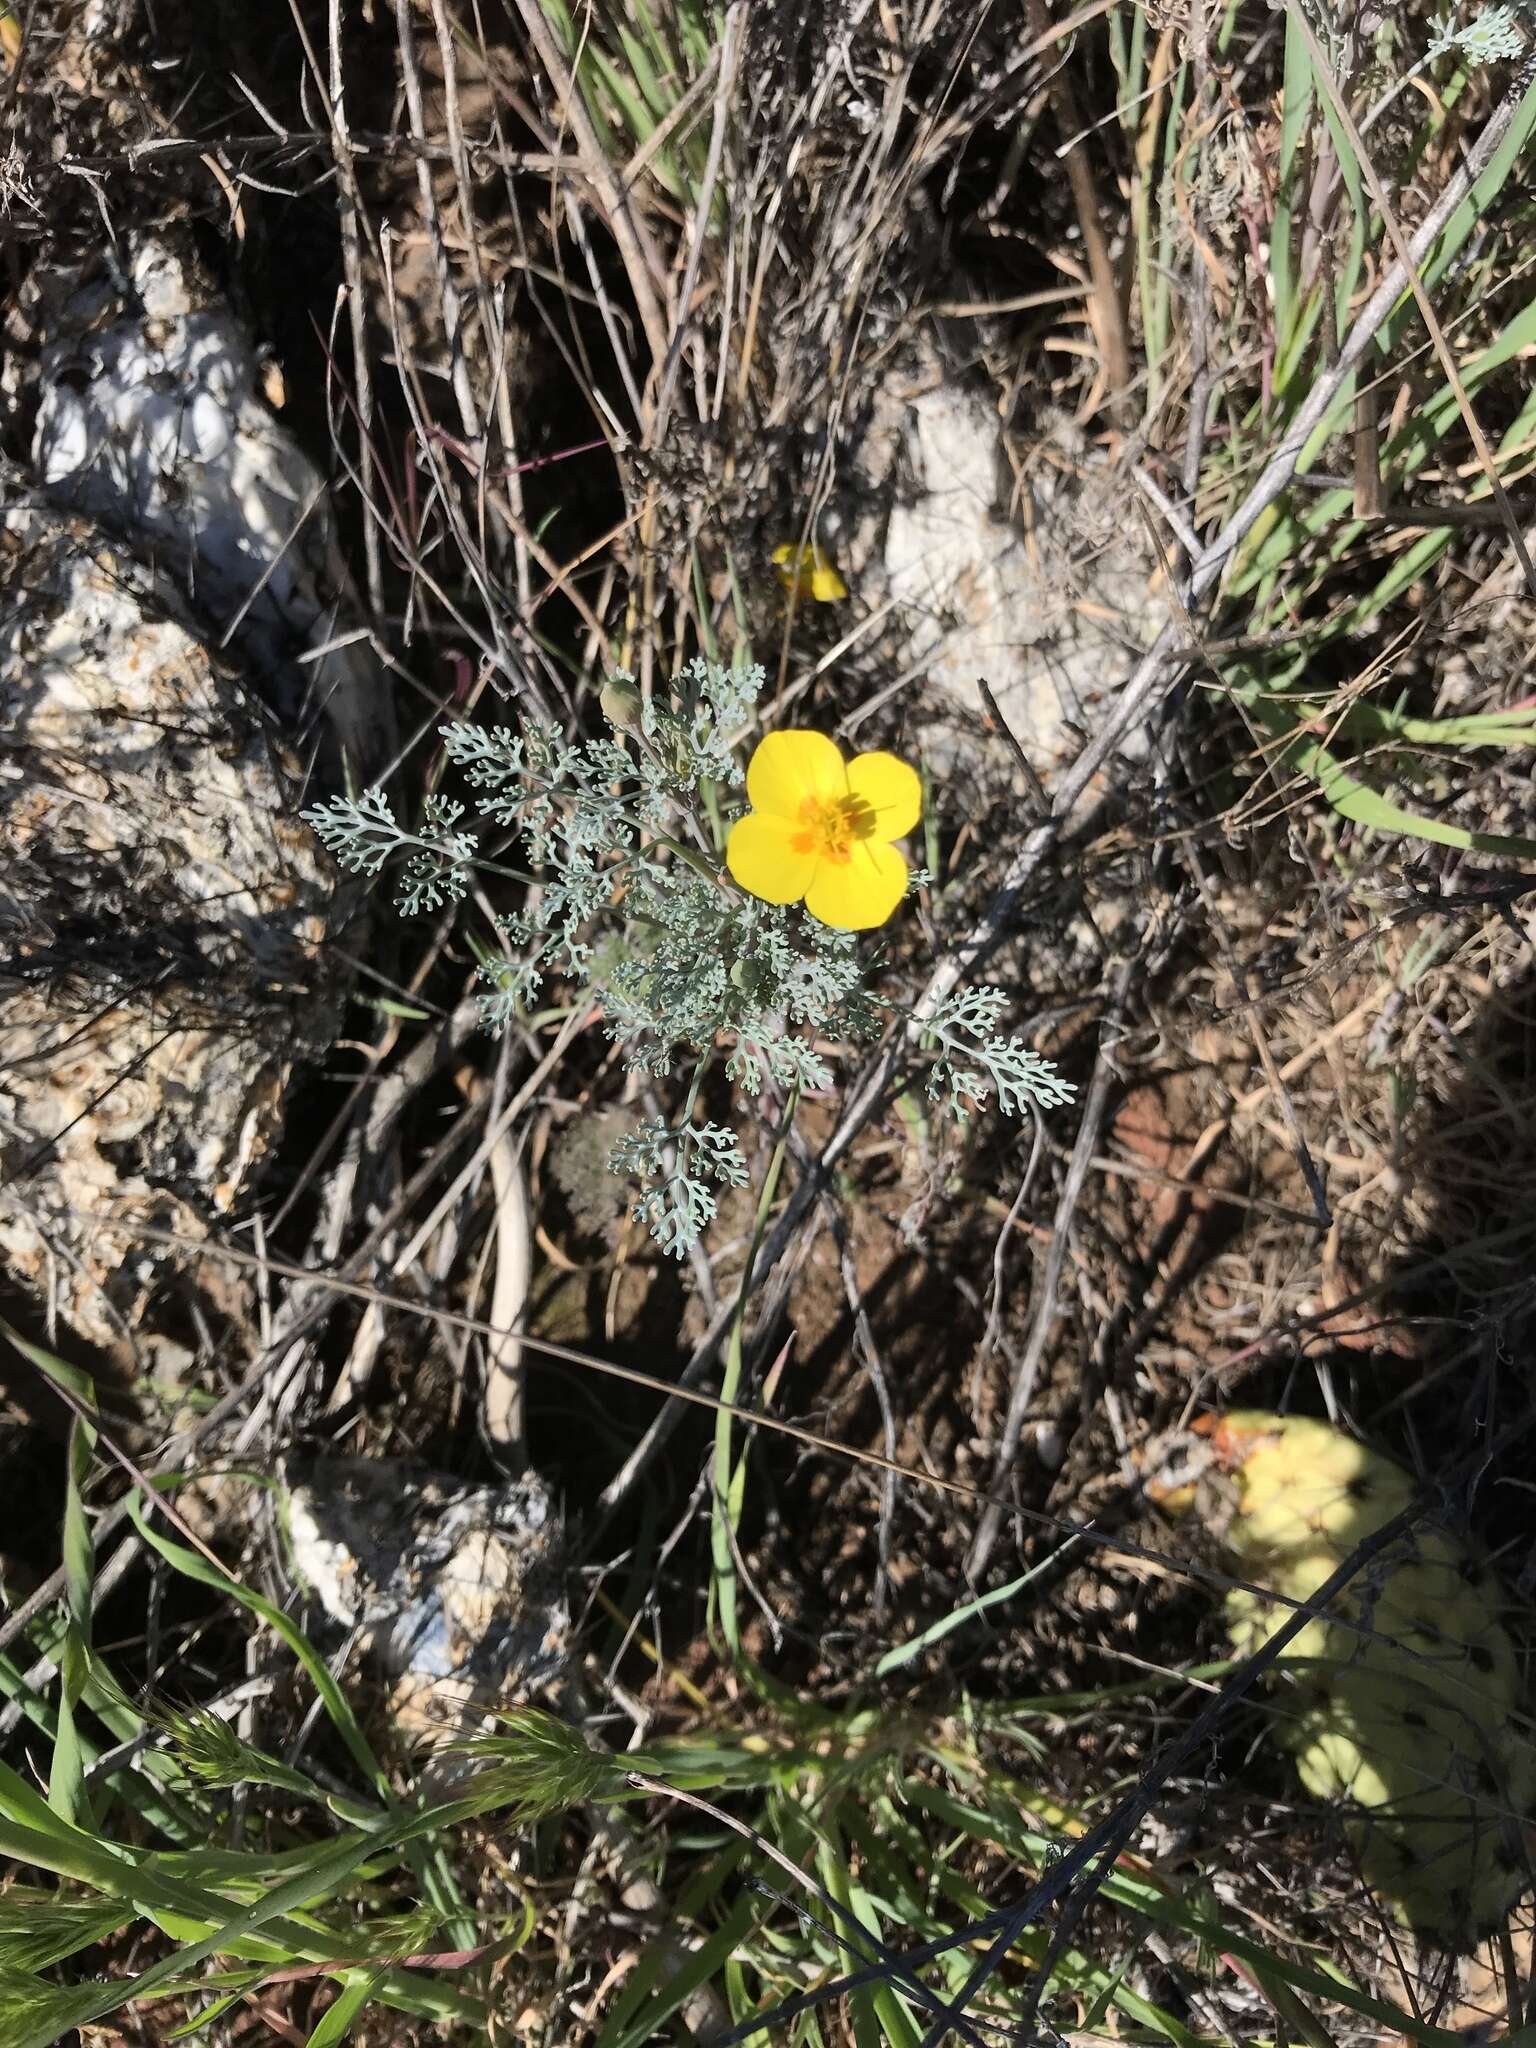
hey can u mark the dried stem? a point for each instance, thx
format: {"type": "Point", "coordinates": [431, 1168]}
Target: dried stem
{"type": "Point", "coordinates": [1022, 1391]}
{"type": "Point", "coordinates": [641, 263]}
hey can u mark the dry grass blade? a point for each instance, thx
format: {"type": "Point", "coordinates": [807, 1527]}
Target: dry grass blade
{"type": "Point", "coordinates": [642, 265]}
{"type": "Point", "coordinates": [1086, 1144]}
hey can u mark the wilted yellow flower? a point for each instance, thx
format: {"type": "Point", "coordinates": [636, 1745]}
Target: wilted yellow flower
{"type": "Point", "coordinates": [820, 828]}
{"type": "Point", "coordinates": [806, 571]}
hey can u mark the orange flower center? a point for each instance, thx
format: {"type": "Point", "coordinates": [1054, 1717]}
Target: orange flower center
{"type": "Point", "coordinates": [830, 826]}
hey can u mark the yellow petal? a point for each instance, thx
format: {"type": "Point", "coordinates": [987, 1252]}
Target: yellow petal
{"type": "Point", "coordinates": [790, 563]}
{"type": "Point", "coordinates": [760, 856]}
{"type": "Point", "coordinates": [808, 572]}
{"type": "Point", "coordinates": [893, 791]}
{"type": "Point", "coordinates": [857, 894]}
{"type": "Point", "coordinates": [790, 766]}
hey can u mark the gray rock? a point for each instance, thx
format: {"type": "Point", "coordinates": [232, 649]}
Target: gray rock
{"type": "Point", "coordinates": [164, 914]}
{"type": "Point", "coordinates": [152, 420]}
{"type": "Point", "coordinates": [458, 1591]}
{"type": "Point", "coordinates": [168, 688]}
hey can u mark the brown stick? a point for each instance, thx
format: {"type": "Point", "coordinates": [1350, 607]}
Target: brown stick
{"type": "Point", "coordinates": [1022, 1391]}
{"type": "Point", "coordinates": [1108, 300]}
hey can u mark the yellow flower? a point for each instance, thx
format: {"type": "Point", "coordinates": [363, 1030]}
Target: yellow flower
{"type": "Point", "coordinates": [821, 828]}
{"type": "Point", "coordinates": [805, 571]}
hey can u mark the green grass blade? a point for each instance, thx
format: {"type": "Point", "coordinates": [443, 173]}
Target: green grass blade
{"type": "Point", "coordinates": [694, 1971]}
{"type": "Point", "coordinates": [1157, 315]}
{"type": "Point", "coordinates": [638, 2006]}
{"type": "Point", "coordinates": [1485, 191]}
{"type": "Point", "coordinates": [239, 1981]}
{"type": "Point", "coordinates": [880, 2013]}
{"type": "Point", "coordinates": [35, 2014]}
{"type": "Point", "coordinates": [192, 1566]}
{"type": "Point", "coordinates": [40, 1928]}
{"type": "Point", "coordinates": [1357, 801]}
{"type": "Point", "coordinates": [967, 1611]}
{"type": "Point", "coordinates": [1297, 93]}
{"type": "Point", "coordinates": [1349, 269]}
{"type": "Point", "coordinates": [358, 1986]}
{"type": "Point", "coordinates": [653, 88]}
{"type": "Point", "coordinates": [66, 1776]}
{"type": "Point", "coordinates": [139, 1784]}
{"type": "Point", "coordinates": [26, 1808]}
{"type": "Point", "coordinates": [66, 1780]}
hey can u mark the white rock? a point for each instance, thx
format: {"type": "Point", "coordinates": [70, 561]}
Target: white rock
{"type": "Point", "coordinates": [1049, 599]}
{"type": "Point", "coordinates": [159, 426]}
{"type": "Point", "coordinates": [68, 447]}
{"type": "Point", "coordinates": [164, 915]}
{"type": "Point", "coordinates": [150, 420]}
{"type": "Point", "coordinates": [209, 427]}
{"type": "Point", "coordinates": [458, 1590]}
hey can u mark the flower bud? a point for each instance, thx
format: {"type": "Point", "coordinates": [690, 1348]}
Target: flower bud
{"type": "Point", "coordinates": [622, 704]}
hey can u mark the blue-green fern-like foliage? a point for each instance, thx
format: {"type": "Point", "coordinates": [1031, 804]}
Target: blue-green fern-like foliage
{"type": "Point", "coordinates": [1492, 36]}
{"type": "Point", "coordinates": [626, 897]}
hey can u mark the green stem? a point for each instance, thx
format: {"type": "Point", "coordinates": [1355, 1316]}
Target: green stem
{"type": "Point", "coordinates": [496, 867]}
{"type": "Point", "coordinates": [693, 1088]}
{"type": "Point", "coordinates": [696, 861]}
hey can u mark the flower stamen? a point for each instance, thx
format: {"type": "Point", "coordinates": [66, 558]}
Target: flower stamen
{"type": "Point", "coordinates": [829, 826]}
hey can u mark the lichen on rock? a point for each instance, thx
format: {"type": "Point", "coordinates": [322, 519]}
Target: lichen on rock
{"type": "Point", "coordinates": [165, 917]}
{"type": "Point", "coordinates": [457, 1591]}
